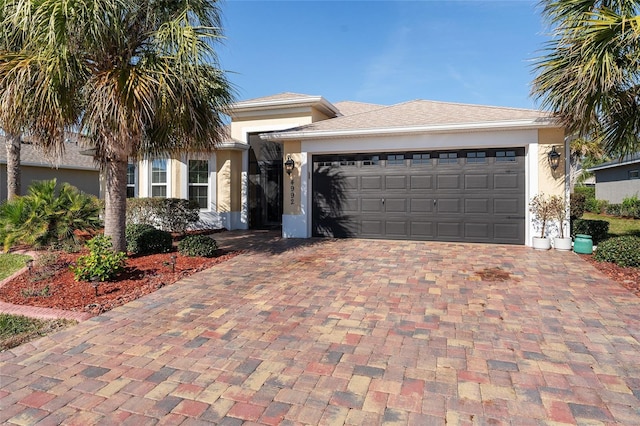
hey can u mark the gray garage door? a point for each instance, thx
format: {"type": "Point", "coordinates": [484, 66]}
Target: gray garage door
{"type": "Point", "coordinates": [469, 195]}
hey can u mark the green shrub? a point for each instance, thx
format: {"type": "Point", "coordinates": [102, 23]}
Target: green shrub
{"type": "Point", "coordinates": [598, 229]}
{"type": "Point", "coordinates": [577, 206]}
{"type": "Point", "coordinates": [613, 209]}
{"type": "Point", "coordinates": [145, 239]}
{"type": "Point", "coordinates": [624, 251]}
{"type": "Point", "coordinates": [167, 214]}
{"type": "Point", "coordinates": [48, 216]}
{"type": "Point", "coordinates": [587, 191]}
{"type": "Point", "coordinates": [631, 207]}
{"type": "Point", "coordinates": [198, 245]}
{"type": "Point", "coordinates": [595, 206]}
{"type": "Point", "coordinates": [101, 264]}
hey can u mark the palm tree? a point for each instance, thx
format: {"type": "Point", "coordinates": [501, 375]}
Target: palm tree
{"type": "Point", "coordinates": [138, 77]}
{"type": "Point", "coordinates": [590, 70]}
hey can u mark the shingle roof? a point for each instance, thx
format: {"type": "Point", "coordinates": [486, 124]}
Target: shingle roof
{"type": "Point", "coordinates": [31, 155]}
{"type": "Point", "coordinates": [352, 107]}
{"type": "Point", "coordinates": [627, 159]}
{"type": "Point", "coordinates": [278, 97]}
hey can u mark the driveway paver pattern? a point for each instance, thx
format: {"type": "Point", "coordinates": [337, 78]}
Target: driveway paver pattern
{"type": "Point", "coordinates": [355, 332]}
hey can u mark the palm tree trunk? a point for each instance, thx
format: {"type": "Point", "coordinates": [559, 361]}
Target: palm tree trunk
{"type": "Point", "coordinates": [13, 142]}
{"type": "Point", "coordinates": [116, 203]}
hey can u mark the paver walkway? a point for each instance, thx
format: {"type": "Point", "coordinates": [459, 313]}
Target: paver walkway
{"type": "Point", "coordinates": [347, 332]}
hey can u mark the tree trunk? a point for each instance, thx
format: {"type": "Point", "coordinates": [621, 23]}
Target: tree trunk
{"type": "Point", "coordinates": [13, 142]}
{"type": "Point", "coordinates": [116, 203]}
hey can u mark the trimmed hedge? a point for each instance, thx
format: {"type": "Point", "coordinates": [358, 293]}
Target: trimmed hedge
{"type": "Point", "coordinates": [198, 245]}
{"type": "Point", "coordinates": [167, 214]}
{"type": "Point", "coordinates": [576, 206]}
{"type": "Point", "coordinates": [623, 251]}
{"type": "Point", "coordinates": [598, 229]}
{"type": "Point", "coordinates": [145, 239]}
{"type": "Point", "coordinates": [587, 191]}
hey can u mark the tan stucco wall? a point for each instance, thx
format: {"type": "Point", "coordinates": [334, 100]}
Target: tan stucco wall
{"type": "Point", "coordinates": [87, 181]}
{"type": "Point", "coordinates": [292, 184]}
{"type": "Point", "coordinates": [176, 178]}
{"type": "Point", "coordinates": [549, 182]}
{"type": "Point", "coordinates": [229, 181]}
{"type": "Point", "coordinates": [239, 127]}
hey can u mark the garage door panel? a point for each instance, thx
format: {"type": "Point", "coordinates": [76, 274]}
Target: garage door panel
{"type": "Point", "coordinates": [449, 230]}
{"type": "Point", "coordinates": [421, 205]}
{"type": "Point", "coordinates": [477, 206]}
{"type": "Point", "coordinates": [477, 230]}
{"type": "Point", "coordinates": [421, 182]}
{"type": "Point", "coordinates": [507, 232]}
{"type": "Point", "coordinates": [396, 205]}
{"type": "Point", "coordinates": [448, 181]}
{"type": "Point", "coordinates": [371, 205]}
{"type": "Point", "coordinates": [350, 205]}
{"type": "Point", "coordinates": [476, 181]}
{"type": "Point", "coordinates": [371, 182]}
{"type": "Point", "coordinates": [449, 205]}
{"type": "Point", "coordinates": [422, 229]}
{"type": "Point", "coordinates": [395, 228]}
{"type": "Point", "coordinates": [509, 206]}
{"type": "Point", "coordinates": [371, 227]}
{"type": "Point", "coordinates": [396, 182]}
{"type": "Point", "coordinates": [350, 183]}
{"type": "Point", "coordinates": [505, 181]}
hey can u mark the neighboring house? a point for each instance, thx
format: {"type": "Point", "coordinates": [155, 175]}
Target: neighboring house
{"type": "Point", "coordinates": [73, 167]}
{"type": "Point", "coordinates": [417, 170]}
{"type": "Point", "coordinates": [617, 180]}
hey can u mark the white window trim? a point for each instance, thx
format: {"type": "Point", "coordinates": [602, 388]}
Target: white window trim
{"type": "Point", "coordinates": [167, 184]}
{"type": "Point", "coordinates": [137, 166]}
{"type": "Point", "coordinates": [209, 183]}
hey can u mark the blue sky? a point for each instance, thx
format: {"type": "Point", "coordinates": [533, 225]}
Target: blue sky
{"type": "Point", "coordinates": [384, 52]}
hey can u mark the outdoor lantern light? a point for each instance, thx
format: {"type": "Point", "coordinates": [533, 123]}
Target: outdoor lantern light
{"type": "Point", "coordinates": [554, 158]}
{"type": "Point", "coordinates": [288, 165]}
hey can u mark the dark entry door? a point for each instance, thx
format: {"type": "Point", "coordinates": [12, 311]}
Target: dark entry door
{"type": "Point", "coordinates": [265, 184]}
{"type": "Point", "coordinates": [456, 195]}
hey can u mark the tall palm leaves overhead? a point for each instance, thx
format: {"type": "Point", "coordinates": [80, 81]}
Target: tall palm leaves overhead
{"type": "Point", "coordinates": [137, 77]}
{"type": "Point", "coordinates": [590, 70]}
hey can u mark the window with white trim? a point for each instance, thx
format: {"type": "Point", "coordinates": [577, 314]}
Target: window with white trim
{"type": "Point", "coordinates": [199, 182]}
{"type": "Point", "coordinates": [159, 168]}
{"type": "Point", "coordinates": [131, 180]}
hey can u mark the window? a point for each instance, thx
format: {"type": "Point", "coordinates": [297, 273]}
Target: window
{"type": "Point", "coordinates": [421, 159]}
{"type": "Point", "coordinates": [131, 180]}
{"type": "Point", "coordinates": [476, 157]}
{"type": "Point", "coordinates": [395, 160]}
{"type": "Point", "coordinates": [371, 160]}
{"type": "Point", "coordinates": [505, 156]}
{"type": "Point", "coordinates": [159, 178]}
{"type": "Point", "coordinates": [448, 158]}
{"type": "Point", "coordinates": [634, 174]}
{"type": "Point", "coordinates": [199, 182]}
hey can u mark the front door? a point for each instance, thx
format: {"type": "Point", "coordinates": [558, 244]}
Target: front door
{"type": "Point", "coordinates": [265, 184]}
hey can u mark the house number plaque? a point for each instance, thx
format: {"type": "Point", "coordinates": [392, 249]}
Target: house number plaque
{"type": "Point", "coordinates": [293, 192]}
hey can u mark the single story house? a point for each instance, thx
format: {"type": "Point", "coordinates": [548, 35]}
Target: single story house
{"type": "Point", "coordinates": [73, 167]}
{"type": "Point", "coordinates": [419, 170]}
{"type": "Point", "coordinates": [619, 179]}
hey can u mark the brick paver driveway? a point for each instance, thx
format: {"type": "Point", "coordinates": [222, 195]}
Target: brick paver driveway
{"type": "Point", "coordinates": [347, 332]}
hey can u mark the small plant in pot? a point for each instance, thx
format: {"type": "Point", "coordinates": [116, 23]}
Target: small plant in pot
{"type": "Point", "coordinates": [559, 213]}
{"type": "Point", "coordinates": [540, 207]}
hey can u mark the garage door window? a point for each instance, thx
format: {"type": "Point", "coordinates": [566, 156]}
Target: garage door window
{"type": "Point", "coordinates": [395, 160]}
{"type": "Point", "coordinates": [506, 156]}
{"type": "Point", "coordinates": [371, 160]}
{"type": "Point", "coordinates": [478, 157]}
{"type": "Point", "coordinates": [422, 159]}
{"type": "Point", "coordinates": [448, 158]}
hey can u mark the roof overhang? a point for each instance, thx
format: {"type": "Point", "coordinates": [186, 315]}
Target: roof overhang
{"type": "Point", "coordinates": [613, 165]}
{"type": "Point", "coordinates": [412, 130]}
{"type": "Point", "coordinates": [318, 102]}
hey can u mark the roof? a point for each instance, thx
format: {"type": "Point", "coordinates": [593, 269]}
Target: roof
{"type": "Point", "coordinates": [351, 107]}
{"type": "Point", "coordinates": [284, 100]}
{"type": "Point", "coordinates": [31, 155]}
{"type": "Point", "coordinates": [420, 116]}
{"type": "Point", "coordinates": [626, 160]}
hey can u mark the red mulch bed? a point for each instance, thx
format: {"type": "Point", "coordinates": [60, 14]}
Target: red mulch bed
{"type": "Point", "coordinates": [54, 286]}
{"type": "Point", "coordinates": [629, 278]}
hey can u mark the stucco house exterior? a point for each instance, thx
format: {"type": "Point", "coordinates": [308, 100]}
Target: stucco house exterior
{"type": "Point", "coordinates": [619, 179]}
{"type": "Point", "coordinates": [72, 167]}
{"type": "Point", "coordinates": [418, 170]}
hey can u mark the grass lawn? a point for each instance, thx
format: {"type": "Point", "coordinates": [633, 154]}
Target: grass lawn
{"type": "Point", "coordinates": [10, 263]}
{"type": "Point", "coordinates": [17, 329]}
{"type": "Point", "coordinates": [617, 226]}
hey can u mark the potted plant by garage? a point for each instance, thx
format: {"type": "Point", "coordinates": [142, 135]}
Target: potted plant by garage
{"type": "Point", "coordinates": [540, 207]}
{"type": "Point", "coordinates": [559, 213]}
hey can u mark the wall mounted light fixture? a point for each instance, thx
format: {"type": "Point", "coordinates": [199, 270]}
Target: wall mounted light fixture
{"type": "Point", "coordinates": [554, 158]}
{"type": "Point", "coordinates": [289, 165]}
